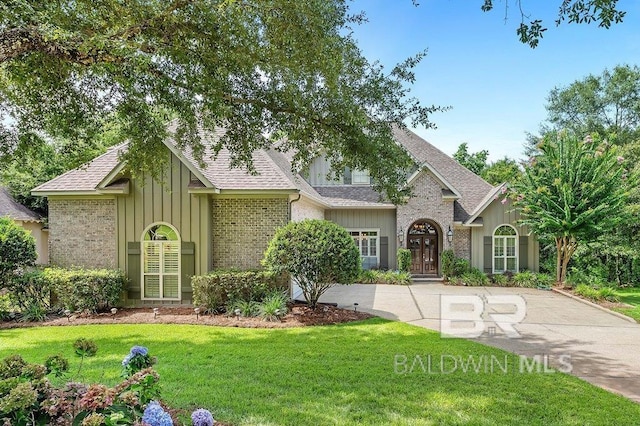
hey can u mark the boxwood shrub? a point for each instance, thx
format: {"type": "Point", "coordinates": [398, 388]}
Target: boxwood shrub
{"type": "Point", "coordinates": [92, 290]}
{"type": "Point", "coordinates": [215, 290]}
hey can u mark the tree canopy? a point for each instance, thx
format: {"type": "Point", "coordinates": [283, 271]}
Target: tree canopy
{"type": "Point", "coordinates": [602, 12]}
{"type": "Point", "coordinates": [573, 191]}
{"type": "Point", "coordinates": [261, 70]}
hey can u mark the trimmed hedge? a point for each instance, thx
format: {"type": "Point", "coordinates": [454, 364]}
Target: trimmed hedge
{"type": "Point", "coordinates": [215, 290]}
{"type": "Point", "coordinates": [404, 260]}
{"type": "Point", "coordinates": [91, 290]}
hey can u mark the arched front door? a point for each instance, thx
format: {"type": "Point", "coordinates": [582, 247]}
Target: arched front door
{"type": "Point", "coordinates": [423, 243]}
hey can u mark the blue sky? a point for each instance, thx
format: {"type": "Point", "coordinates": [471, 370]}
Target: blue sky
{"type": "Point", "coordinates": [496, 86]}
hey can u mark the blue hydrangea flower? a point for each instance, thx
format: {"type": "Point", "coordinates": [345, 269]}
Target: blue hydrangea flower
{"type": "Point", "coordinates": [139, 350]}
{"type": "Point", "coordinates": [154, 415]}
{"type": "Point", "coordinates": [126, 360]}
{"type": "Point", "coordinates": [202, 417]}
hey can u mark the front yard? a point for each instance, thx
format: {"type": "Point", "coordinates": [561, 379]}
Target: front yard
{"type": "Point", "coordinates": [630, 296]}
{"type": "Point", "coordinates": [348, 374]}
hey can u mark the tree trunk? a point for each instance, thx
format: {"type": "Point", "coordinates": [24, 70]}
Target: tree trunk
{"type": "Point", "coordinates": [565, 246]}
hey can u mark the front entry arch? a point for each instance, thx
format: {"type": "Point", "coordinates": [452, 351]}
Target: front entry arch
{"type": "Point", "coordinates": [423, 242]}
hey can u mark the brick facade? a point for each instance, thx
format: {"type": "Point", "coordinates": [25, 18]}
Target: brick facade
{"type": "Point", "coordinates": [82, 233]}
{"type": "Point", "coordinates": [427, 203]}
{"type": "Point", "coordinates": [242, 229]}
{"type": "Point", "coordinates": [462, 243]}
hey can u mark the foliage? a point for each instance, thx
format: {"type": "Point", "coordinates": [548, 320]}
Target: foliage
{"type": "Point", "coordinates": [243, 308]}
{"type": "Point", "coordinates": [572, 192]}
{"type": "Point", "coordinates": [603, 12]}
{"type": "Point", "coordinates": [500, 280]}
{"type": "Point", "coordinates": [476, 162]}
{"type": "Point", "coordinates": [274, 306]}
{"type": "Point", "coordinates": [606, 104]}
{"type": "Point", "coordinates": [249, 68]}
{"type": "Point", "coordinates": [473, 278]}
{"type": "Point", "coordinates": [30, 293]}
{"type": "Point", "coordinates": [85, 347]}
{"type": "Point", "coordinates": [56, 365]}
{"type": "Point", "coordinates": [93, 290]}
{"type": "Point", "coordinates": [154, 415]}
{"type": "Point", "coordinates": [17, 248]}
{"type": "Point", "coordinates": [316, 253]}
{"type": "Point", "coordinates": [137, 360]}
{"type": "Point", "coordinates": [404, 259]}
{"type": "Point", "coordinates": [448, 257]}
{"type": "Point", "coordinates": [217, 289]}
{"type": "Point", "coordinates": [501, 171]}
{"type": "Point", "coordinates": [597, 294]}
{"type": "Point", "coordinates": [372, 276]}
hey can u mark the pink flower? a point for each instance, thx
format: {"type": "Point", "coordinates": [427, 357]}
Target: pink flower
{"type": "Point", "coordinates": [620, 159]}
{"type": "Point", "coordinates": [504, 190]}
{"type": "Point", "coordinates": [504, 201]}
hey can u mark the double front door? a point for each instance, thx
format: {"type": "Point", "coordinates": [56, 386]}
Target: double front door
{"type": "Point", "coordinates": [424, 254]}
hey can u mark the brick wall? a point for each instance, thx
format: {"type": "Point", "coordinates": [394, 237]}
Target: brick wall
{"type": "Point", "coordinates": [82, 233]}
{"type": "Point", "coordinates": [302, 209]}
{"type": "Point", "coordinates": [242, 229]}
{"type": "Point", "coordinates": [462, 243]}
{"type": "Point", "coordinates": [427, 203]}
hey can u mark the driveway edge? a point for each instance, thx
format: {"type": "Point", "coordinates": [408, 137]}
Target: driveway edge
{"type": "Point", "coordinates": [595, 305]}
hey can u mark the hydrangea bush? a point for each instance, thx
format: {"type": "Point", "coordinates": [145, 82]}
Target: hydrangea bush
{"type": "Point", "coordinates": [27, 396]}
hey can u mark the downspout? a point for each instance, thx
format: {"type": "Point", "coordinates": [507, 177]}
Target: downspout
{"type": "Point", "coordinates": [291, 202]}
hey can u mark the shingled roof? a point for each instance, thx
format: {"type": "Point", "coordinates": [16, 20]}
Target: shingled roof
{"type": "Point", "coordinates": [16, 211]}
{"type": "Point", "coordinates": [472, 188]}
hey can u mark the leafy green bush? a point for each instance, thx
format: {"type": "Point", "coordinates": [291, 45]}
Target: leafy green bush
{"type": "Point", "coordinates": [461, 266]}
{"type": "Point", "coordinates": [501, 280]}
{"type": "Point", "coordinates": [214, 291]}
{"type": "Point", "coordinates": [30, 293]}
{"type": "Point", "coordinates": [243, 308]}
{"type": "Point", "coordinates": [371, 276]}
{"type": "Point", "coordinates": [447, 261]}
{"type": "Point", "coordinates": [274, 306]}
{"type": "Point", "coordinates": [526, 279]}
{"type": "Point", "coordinates": [93, 290]}
{"type": "Point", "coordinates": [317, 253]}
{"type": "Point", "coordinates": [474, 278]}
{"type": "Point", "coordinates": [404, 260]}
{"type": "Point", "coordinates": [587, 292]}
{"type": "Point", "coordinates": [17, 248]}
{"type": "Point", "coordinates": [608, 294]}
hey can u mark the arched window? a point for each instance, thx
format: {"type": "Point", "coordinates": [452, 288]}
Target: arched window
{"type": "Point", "coordinates": [161, 262]}
{"type": "Point", "coordinates": [505, 249]}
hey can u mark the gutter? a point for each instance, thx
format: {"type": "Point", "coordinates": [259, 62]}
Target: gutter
{"type": "Point", "coordinates": [291, 202]}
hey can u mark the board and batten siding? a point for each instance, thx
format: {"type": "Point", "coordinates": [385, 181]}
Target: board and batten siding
{"type": "Point", "coordinates": [319, 170]}
{"type": "Point", "coordinates": [383, 219]}
{"type": "Point", "coordinates": [171, 203]}
{"type": "Point", "coordinates": [493, 216]}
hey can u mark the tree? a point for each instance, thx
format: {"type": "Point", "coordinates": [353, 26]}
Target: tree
{"type": "Point", "coordinates": [608, 104]}
{"type": "Point", "coordinates": [603, 12]}
{"type": "Point", "coordinates": [316, 253]}
{"type": "Point", "coordinates": [476, 161]}
{"type": "Point", "coordinates": [573, 191]}
{"type": "Point", "coordinates": [262, 70]}
{"type": "Point", "coordinates": [17, 249]}
{"type": "Point", "coordinates": [503, 170]}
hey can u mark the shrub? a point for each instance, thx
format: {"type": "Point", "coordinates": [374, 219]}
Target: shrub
{"type": "Point", "coordinates": [404, 260]}
{"type": "Point", "coordinates": [501, 280]}
{"type": "Point", "coordinates": [93, 290]}
{"type": "Point", "coordinates": [136, 360]}
{"type": "Point", "coordinates": [474, 278]}
{"type": "Point", "coordinates": [30, 292]}
{"type": "Point", "coordinates": [218, 289]}
{"type": "Point", "coordinates": [587, 292]}
{"type": "Point", "coordinates": [461, 266]}
{"type": "Point", "coordinates": [525, 279]}
{"type": "Point", "coordinates": [370, 276]}
{"type": "Point", "coordinates": [447, 262]}
{"type": "Point", "coordinates": [273, 307]}
{"type": "Point", "coordinates": [244, 308]}
{"type": "Point", "coordinates": [317, 253]}
{"type": "Point", "coordinates": [17, 248]}
{"type": "Point", "coordinates": [608, 294]}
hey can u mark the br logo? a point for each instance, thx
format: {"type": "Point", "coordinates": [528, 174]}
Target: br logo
{"type": "Point", "coordinates": [467, 316]}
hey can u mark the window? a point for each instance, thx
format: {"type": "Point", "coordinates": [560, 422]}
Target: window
{"type": "Point", "coordinates": [368, 244]}
{"type": "Point", "coordinates": [505, 249]}
{"type": "Point", "coordinates": [360, 177]}
{"type": "Point", "coordinates": [161, 263]}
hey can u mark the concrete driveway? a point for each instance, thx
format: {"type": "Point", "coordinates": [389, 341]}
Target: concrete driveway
{"type": "Point", "coordinates": [596, 345]}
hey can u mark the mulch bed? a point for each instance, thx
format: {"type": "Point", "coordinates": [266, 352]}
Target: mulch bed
{"type": "Point", "coordinates": [299, 315]}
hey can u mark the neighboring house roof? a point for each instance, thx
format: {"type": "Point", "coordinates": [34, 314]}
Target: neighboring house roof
{"type": "Point", "coordinates": [16, 211]}
{"type": "Point", "coordinates": [472, 188]}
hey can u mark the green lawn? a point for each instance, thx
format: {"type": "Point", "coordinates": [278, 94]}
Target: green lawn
{"type": "Point", "coordinates": [334, 375]}
{"type": "Point", "coordinates": [632, 297]}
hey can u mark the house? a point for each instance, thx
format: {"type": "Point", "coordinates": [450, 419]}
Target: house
{"type": "Point", "coordinates": [216, 217]}
{"type": "Point", "coordinates": [29, 220]}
